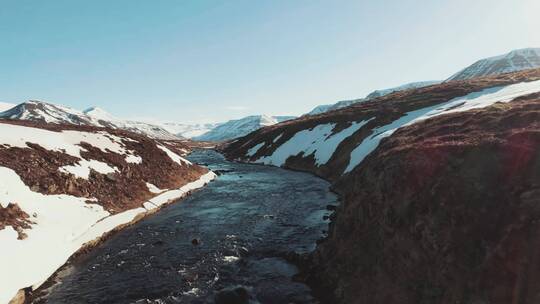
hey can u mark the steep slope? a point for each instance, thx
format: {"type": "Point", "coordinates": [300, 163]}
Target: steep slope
{"type": "Point", "coordinates": [517, 60]}
{"type": "Point", "coordinates": [39, 111]}
{"type": "Point", "coordinates": [443, 211]}
{"type": "Point", "coordinates": [240, 127]}
{"type": "Point", "coordinates": [424, 175]}
{"type": "Point", "coordinates": [65, 185]}
{"type": "Point", "coordinates": [372, 95]}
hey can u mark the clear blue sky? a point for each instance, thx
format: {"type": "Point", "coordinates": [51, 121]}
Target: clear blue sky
{"type": "Point", "coordinates": [183, 60]}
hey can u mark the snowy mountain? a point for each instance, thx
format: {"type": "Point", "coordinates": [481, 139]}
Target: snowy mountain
{"type": "Point", "coordinates": [240, 127]}
{"type": "Point", "coordinates": [106, 119]}
{"type": "Point", "coordinates": [372, 95]}
{"type": "Point", "coordinates": [56, 114]}
{"type": "Point", "coordinates": [514, 61]}
{"type": "Point", "coordinates": [189, 130]}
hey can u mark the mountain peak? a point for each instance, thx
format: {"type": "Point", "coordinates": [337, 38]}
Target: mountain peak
{"type": "Point", "coordinates": [516, 60]}
{"type": "Point", "coordinates": [240, 127]}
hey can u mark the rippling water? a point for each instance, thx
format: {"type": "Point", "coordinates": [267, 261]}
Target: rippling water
{"type": "Point", "coordinates": [244, 222]}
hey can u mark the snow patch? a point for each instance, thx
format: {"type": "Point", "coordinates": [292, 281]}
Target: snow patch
{"type": "Point", "coordinates": [152, 188]}
{"type": "Point", "coordinates": [254, 149]}
{"type": "Point", "coordinates": [83, 167]}
{"type": "Point", "coordinates": [277, 138]}
{"type": "Point", "coordinates": [175, 157]}
{"type": "Point", "coordinates": [133, 159]}
{"type": "Point", "coordinates": [318, 141]}
{"type": "Point", "coordinates": [63, 223]}
{"type": "Point", "coordinates": [471, 101]}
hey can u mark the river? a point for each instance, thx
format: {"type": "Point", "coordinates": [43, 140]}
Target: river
{"type": "Point", "coordinates": [231, 235]}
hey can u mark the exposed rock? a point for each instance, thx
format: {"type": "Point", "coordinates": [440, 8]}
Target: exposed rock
{"type": "Point", "coordinates": [13, 216]}
{"type": "Point", "coordinates": [235, 295]}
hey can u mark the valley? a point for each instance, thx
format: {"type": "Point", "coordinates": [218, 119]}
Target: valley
{"type": "Point", "coordinates": [234, 233]}
{"type": "Point", "coordinates": [421, 193]}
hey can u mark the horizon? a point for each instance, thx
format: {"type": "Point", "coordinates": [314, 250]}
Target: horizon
{"type": "Point", "coordinates": [136, 68]}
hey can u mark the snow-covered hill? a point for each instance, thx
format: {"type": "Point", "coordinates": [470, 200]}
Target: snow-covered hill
{"type": "Point", "coordinates": [106, 119]}
{"type": "Point", "coordinates": [516, 60]}
{"type": "Point", "coordinates": [64, 185]}
{"type": "Point", "coordinates": [40, 111]}
{"type": "Point", "coordinates": [240, 127]}
{"type": "Point", "coordinates": [189, 130]}
{"type": "Point", "coordinates": [346, 133]}
{"type": "Point", "coordinates": [374, 94]}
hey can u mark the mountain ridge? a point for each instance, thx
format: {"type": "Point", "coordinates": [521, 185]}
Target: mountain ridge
{"type": "Point", "coordinates": [239, 127]}
{"type": "Point", "coordinates": [41, 111]}
{"type": "Point", "coordinates": [514, 61]}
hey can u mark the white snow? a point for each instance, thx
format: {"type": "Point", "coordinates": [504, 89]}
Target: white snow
{"type": "Point", "coordinates": [484, 98]}
{"type": "Point", "coordinates": [68, 142]}
{"type": "Point", "coordinates": [63, 223]}
{"type": "Point", "coordinates": [174, 194]}
{"type": "Point", "coordinates": [277, 138]}
{"type": "Point", "coordinates": [318, 141]}
{"type": "Point", "coordinates": [134, 159]}
{"type": "Point", "coordinates": [471, 101]}
{"type": "Point", "coordinates": [254, 149]}
{"type": "Point", "coordinates": [82, 168]}
{"type": "Point", "coordinates": [240, 127]}
{"type": "Point", "coordinates": [34, 110]}
{"type": "Point", "coordinates": [152, 188]}
{"type": "Point", "coordinates": [175, 157]}
{"type": "Point", "coordinates": [516, 60]}
{"type": "Point", "coordinates": [60, 220]}
{"type": "Point", "coordinates": [65, 141]}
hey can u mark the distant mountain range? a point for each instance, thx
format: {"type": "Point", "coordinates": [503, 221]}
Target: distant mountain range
{"type": "Point", "coordinates": [514, 61]}
{"type": "Point", "coordinates": [189, 130]}
{"type": "Point", "coordinates": [374, 94]}
{"type": "Point", "coordinates": [40, 111]}
{"type": "Point", "coordinates": [240, 127]}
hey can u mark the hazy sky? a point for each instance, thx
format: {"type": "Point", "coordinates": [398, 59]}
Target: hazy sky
{"type": "Point", "coordinates": [199, 60]}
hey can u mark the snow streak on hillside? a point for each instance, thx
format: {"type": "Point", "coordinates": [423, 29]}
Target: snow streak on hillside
{"type": "Point", "coordinates": [320, 141]}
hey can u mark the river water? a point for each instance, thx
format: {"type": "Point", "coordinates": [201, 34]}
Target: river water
{"type": "Point", "coordinates": [232, 235]}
